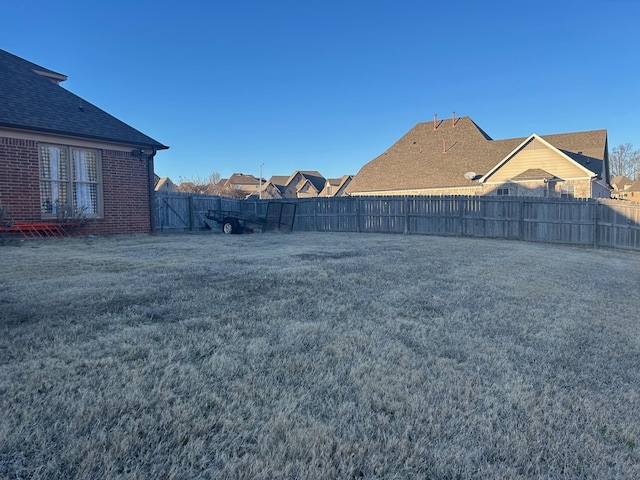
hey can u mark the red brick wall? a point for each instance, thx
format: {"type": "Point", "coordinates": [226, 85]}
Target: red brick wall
{"type": "Point", "coordinates": [124, 179]}
{"type": "Point", "coordinates": [19, 179]}
{"type": "Point", "coordinates": [125, 193]}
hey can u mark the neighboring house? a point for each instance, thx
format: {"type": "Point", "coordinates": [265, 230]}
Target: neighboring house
{"type": "Point", "coordinates": [240, 181]}
{"type": "Point", "coordinates": [300, 184]}
{"type": "Point", "coordinates": [456, 157]}
{"type": "Point", "coordinates": [304, 184]}
{"type": "Point", "coordinates": [620, 185]}
{"type": "Point", "coordinates": [632, 193]}
{"type": "Point", "coordinates": [274, 188]}
{"type": "Point", "coordinates": [60, 152]}
{"type": "Point", "coordinates": [164, 184]}
{"type": "Point", "coordinates": [336, 187]}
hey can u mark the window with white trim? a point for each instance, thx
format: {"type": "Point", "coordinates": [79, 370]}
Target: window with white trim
{"type": "Point", "coordinates": [69, 181]}
{"type": "Point", "coordinates": [567, 191]}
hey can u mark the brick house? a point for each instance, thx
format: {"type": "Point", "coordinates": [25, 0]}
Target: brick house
{"type": "Point", "coordinates": [456, 157]}
{"type": "Point", "coordinates": [241, 182]}
{"type": "Point", "coordinates": [620, 185]}
{"type": "Point", "coordinates": [632, 193]}
{"type": "Point", "coordinates": [304, 184]}
{"type": "Point", "coordinates": [59, 152]}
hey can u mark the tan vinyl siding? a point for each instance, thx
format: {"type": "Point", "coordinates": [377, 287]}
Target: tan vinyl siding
{"type": "Point", "coordinates": [536, 155]}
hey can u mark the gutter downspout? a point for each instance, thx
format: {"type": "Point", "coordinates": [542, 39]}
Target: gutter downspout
{"type": "Point", "coordinates": [152, 192]}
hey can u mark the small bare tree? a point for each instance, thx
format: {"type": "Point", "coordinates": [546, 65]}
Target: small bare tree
{"type": "Point", "coordinates": [624, 160]}
{"type": "Point", "coordinates": [203, 185]}
{"type": "Point", "coordinates": [209, 185]}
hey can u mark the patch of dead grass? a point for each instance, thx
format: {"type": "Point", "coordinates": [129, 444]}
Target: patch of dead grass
{"type": "Point", "coordinates": [317, 356]}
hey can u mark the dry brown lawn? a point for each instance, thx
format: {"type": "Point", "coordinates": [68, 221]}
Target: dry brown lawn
{"type": "Point", "coordinates": [314, 356]}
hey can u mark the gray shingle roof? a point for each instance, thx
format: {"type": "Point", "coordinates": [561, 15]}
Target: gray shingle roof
{"type": "Point", "coordinates": [243, 179]}
{"type": "Point", "coordinates": [30, 101]}
{"type": "Point", "coordinates": [619, 182]}
{"type": "Point", "coordinates": [428, 158]}
{"type": "Point", "coordinates": [279, 181]}
{"type": "Point", "coordinates": [634, 187]}
{"type": "Point", "coordinates": [313, 176]}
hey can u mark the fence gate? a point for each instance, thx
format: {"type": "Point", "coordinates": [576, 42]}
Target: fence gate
{"type": "Point", "coordinates": [280, 216]}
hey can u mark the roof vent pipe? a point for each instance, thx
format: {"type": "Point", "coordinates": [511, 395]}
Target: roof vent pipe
{"type": "Point", "coordinates": [453, 119]}
{"type": "Point", "coordinates": [435, 121]}
{"type": "Point", "coordinates": [444, 146]}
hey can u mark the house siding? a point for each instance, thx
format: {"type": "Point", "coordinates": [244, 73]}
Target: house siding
{"type": "Point", "coordinates": [541, 157]}
{"type": "Point", "coordinates": [632, 196]}
{"type": "Point", "coordinates": [600, 191]}
{"type": "Point", "coordinates": [125, 188]}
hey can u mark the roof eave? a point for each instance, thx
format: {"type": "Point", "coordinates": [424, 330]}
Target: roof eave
{"type": "Point", "coordinates": [153, 143]}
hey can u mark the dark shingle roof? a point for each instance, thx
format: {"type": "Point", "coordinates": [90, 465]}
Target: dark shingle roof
{"type": "Point", "coordinates": [440, 158]}
{"type": "Point", "coordinates": [314, 177]}
{"type": "Point", "coordinates": [31, 101]}
{"type": "Point", "coordinates": [619, 182]}
{"type": "Point", "coordinates": [635, 187]}
{"type": "Point", "coordinates": [279, 181]}
{"type": "Point", "coordinates": [243, 179]}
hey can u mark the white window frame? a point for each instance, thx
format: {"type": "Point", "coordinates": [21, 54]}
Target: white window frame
{"type": "Point", "coordinates": [567, 191]}
{"type": "Point", "coordinates": [78, 199]}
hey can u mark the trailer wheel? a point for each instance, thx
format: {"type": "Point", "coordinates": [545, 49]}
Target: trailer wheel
{"type": "Point", "coordinates": [229, 226]}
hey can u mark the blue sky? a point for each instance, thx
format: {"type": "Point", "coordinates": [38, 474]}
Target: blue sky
{"type": "Point", "coordinates": [329, 85]}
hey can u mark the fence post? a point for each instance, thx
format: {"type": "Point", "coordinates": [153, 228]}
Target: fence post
{"type": "Point", "coordinates": [315, 215]}
{"type": "Point", "coordinates": [460, 202]}
{"type": "Point", "coordinates": [521, 221]}
{"type": "Point", "coordinates": [191, 216]}
{"type": "Point", "coordinates": [357, 200]}
{"type": "Point", "coordinates": [596, 205]}
{"type": "Point", "coordinates": [406, 214]}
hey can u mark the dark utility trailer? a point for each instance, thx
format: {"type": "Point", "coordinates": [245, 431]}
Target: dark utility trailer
{"type": "Point", "coordinates": [279, 217]}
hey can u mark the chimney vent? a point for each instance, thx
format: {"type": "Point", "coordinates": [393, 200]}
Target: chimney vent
{"type": "Point", "coordinates": [435, 121]}
{"type": "Point", "coordinates": [453, 120]}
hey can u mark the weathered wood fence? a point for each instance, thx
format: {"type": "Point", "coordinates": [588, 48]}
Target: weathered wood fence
{"type": "Point", "coordinates": [598, 223]}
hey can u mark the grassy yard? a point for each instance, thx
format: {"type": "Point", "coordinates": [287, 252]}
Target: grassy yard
{"type": "Point", "coordinates": [315, 356]}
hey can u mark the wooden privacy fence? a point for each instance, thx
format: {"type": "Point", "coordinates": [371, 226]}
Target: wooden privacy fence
{"type": "Point", "coordinates": [186, 211]}
{"type": "Point", "coordinates": [599, 223]}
